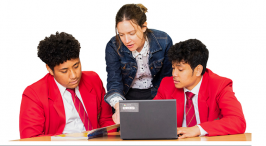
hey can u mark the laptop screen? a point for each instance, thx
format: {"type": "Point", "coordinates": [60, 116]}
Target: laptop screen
{"type": "Point", "coordinates": [148, 119]}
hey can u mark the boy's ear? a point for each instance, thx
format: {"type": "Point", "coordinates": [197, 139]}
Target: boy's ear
{"type": "Point", "coordinates": [49, 70]}
{"type": "Point", "coordinates": [199, 70]}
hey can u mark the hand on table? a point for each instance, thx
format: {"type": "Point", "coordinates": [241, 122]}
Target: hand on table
{"type": "Point", "coordinates": [116, 115]}
{"type": "Point", "coordinates": [186, 132]}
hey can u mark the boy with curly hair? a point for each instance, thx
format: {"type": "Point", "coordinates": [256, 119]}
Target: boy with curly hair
{"type": "Point", "coordinates": [66, 100]}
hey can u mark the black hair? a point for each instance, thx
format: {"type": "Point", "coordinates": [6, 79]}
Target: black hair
{"type": "Point", "coordinates": [191, 51]}
{"type": "Point", "coordinates": [58, 48]}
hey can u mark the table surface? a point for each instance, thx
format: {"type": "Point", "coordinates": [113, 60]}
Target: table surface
{"type": "Point", "coordinates": [115, 136]}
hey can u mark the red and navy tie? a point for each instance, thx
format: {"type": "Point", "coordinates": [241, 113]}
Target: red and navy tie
{"type": "Point", "coordinates": [190, 112]}
{"type": "Point", "coordinates": [80, 109]}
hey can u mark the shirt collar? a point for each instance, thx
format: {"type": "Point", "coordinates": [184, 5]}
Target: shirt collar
{"type": "Point", "coordinates": [195, 90]}
{"type": "Point", "coordinates": [62, 89]}
{"type": "Point", "coordinates": [144, 51]}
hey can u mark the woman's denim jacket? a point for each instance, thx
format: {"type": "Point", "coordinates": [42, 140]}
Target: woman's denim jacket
{"type": "Point", "coordinates": [122, 68]}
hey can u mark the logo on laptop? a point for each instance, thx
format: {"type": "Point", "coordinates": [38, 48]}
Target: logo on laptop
{"type": "Point", "coordinates": [130, 107]}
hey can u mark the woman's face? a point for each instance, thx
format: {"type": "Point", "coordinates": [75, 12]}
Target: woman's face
{"type": "Point", "coordinates": [131, 35]}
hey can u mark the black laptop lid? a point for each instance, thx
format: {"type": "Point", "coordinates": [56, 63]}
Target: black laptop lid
{"type": "Point", "coordinates": [148, 119]}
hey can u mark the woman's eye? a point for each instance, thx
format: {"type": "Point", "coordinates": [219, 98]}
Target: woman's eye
{"type": "Point", "coordinates": [63, 71]}
{"type": "Point", "coordinates": [76, 66]}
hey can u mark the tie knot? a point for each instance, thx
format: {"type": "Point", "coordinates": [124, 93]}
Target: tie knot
{"type": "Point", "coordinates": [72, 91]}
{"type": "Point", "coordinates": [189, 95]}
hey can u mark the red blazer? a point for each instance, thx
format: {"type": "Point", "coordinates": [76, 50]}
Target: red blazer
{"type": "Point", "coordinates": [42, 109]}
{"type": "Point", "coordinates": [219, 110]}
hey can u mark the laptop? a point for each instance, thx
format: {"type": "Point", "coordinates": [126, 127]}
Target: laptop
{"type": "Point", "coordinates": [148, 119]}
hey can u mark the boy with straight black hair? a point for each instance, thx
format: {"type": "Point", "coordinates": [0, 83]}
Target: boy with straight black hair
{"type": "Point", "coordinates": [206, 103]}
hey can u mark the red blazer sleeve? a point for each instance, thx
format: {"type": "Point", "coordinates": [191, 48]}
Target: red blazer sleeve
{"type": "Point", "coordinates": [31, 119]}
{"type": "Point", "coordinates": [105, 118]}
{"type": "Point", "coordinates": [232, 119]}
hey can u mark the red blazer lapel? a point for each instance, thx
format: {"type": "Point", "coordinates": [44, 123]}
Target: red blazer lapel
{"type": "Point", "coordinates": [89, 100]}
{"type": "Point", "coordinates": [55, 96]}
{"type": "Point", "coordinates": [203, 97]}
{"type": "Point", "coordinates": [179, 96]}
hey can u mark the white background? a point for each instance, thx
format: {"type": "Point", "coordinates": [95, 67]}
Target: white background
{"type": "Point", "coordinates": [233, 31]}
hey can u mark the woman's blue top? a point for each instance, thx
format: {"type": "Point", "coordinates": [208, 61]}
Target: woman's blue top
{"type": "Point", "coordinates": [122, 68]}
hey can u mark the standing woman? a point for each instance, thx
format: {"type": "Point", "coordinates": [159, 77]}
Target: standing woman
{"type": "Point", "coordinates": [136, 58]}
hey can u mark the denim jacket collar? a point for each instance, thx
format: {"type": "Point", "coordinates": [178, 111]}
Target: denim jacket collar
{"type": "Point", "coordinates": [154, 44]}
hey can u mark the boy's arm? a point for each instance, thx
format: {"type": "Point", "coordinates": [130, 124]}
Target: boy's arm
{"type": "Point", "coordinates": [105, 115]}
{"type": "Point", "coordinates": [232, 119]}
{"type": "Point", "coordinates": [31, 119]}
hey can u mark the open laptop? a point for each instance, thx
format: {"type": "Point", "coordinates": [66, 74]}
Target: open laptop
{"type": "Point", "coordinates": [148, 119]}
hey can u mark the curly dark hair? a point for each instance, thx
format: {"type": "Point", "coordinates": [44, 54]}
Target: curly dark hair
{"type": "Point", "coordinates": [191, 51]}
{"type": "Point", "coordinates": [58, 48]}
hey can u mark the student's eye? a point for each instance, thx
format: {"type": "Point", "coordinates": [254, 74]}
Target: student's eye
{"type": "Point", "coordinates": [180, 70]}
{"type": "Point", "coordinates": [76, 66]}
{"type": "Point", "coordinates": [132, 33]}
{"type": "Point", "coordinates": [120, 35]}
{"type": "Point", "coordinates": [63, 71]}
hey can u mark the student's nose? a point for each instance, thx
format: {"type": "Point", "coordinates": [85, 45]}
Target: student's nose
{"type": "Point", "coordinates": [174, 73]}
{"type": "Point", "coordinates": [73, 74]}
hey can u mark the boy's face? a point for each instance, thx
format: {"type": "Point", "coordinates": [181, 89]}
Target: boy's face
{"type": "Point", "coordinates": [183, 75]}
{"type": "Point", "coordinates": [67, 74]}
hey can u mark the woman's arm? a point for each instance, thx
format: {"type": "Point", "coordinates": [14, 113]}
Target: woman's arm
{"type": "Point", "coordinates": [114, 76]}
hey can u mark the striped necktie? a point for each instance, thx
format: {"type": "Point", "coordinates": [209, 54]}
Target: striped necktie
{"type": "Point", "coordinates": [80, 109]}
{"type": "Point", "coordinates": [190, 112]}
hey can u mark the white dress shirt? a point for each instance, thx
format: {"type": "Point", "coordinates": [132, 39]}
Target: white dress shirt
{"type": "Point", "coordinates": [195, 91]}
{"type": "Point", "coordinates": [143, 76]}
{"type": "Point", "coordinates": [73, 121]}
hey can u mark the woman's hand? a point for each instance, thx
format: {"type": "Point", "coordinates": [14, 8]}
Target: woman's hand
{"type": "Point", "coordinates": [116, 115]}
